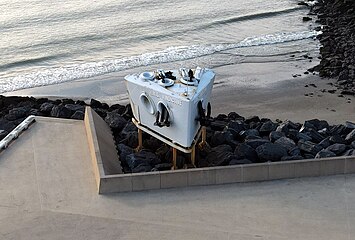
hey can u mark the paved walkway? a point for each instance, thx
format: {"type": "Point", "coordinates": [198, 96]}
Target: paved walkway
{"type": "Point", "coordinates": [47, 191]}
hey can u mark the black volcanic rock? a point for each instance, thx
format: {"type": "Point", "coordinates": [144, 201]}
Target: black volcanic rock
{"type": "Point", "coordinates": [325, 154]}
{"type": "Point", "coordinates": [271, 152]}
{"type": "Point", "coordinates": [254, 143]}
{"type": "Point", "coordinates": [220, 155]}
{"type": "Point", "coordinates": [244, 151]}
{"type": "Point", "coordinates": [337, 148]}
{"type": "Point", "coordinates": [46, 107]}
{"type": "Point", "coordinates": [115, 120]}
{"type": "Point", "coordinates": [274, 135]}
{"type": "Point", "coordinates": [61, 112]}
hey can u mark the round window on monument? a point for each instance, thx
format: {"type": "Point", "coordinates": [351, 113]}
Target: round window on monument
{"type": "Point", "coordinates": [147, 103]}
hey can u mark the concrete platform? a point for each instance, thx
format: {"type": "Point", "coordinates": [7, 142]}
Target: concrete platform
{"type": "Point", "coordinates": [48, 191]}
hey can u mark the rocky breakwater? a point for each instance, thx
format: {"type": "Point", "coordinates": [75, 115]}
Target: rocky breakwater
{"type": "Point", "coordinates": [337, 19]}
{"type": "Point", "coordinates": [234, 139]}
{"type": "Point", "coordinates": [13, 110]}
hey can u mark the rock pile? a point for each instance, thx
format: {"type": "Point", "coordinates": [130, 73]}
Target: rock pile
{"type": "Point", "coordinates": [233, 139]}
{"type": "Point", "coordinates": [13, 110]}
{"type": "Point", "coordinates": [337, 19]}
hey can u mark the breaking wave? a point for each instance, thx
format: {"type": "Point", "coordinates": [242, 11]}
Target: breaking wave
{"type": "Point", "coordinates": [77, 71]}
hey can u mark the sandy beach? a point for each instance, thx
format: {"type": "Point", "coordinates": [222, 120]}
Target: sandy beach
{"type": "Point", "coordinates": [263, 89]}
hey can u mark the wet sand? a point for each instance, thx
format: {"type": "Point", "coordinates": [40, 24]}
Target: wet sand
{"type": "Point", "coordinates": [263, 89]}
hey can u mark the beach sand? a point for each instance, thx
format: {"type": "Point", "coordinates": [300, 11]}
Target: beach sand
{"type": "Point", "coordinates": [263, 89]}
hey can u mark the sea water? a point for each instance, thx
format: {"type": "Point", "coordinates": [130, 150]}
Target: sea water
{"type": "Point", "coordinates": [48, 42]}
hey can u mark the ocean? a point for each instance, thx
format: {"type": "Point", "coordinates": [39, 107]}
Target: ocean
{"type": "Point", "coordinates": [49, 42]}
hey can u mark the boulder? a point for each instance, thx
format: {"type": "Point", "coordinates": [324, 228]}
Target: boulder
{"type": "Point", "coordinates": [95, 104]}
{"type": "Point", "coordinates": [309, 147]}
{"type": "Point", "coordinates": [351, 136]}
{"type": "Point", "coordinates": [252, 119]}
{"type": "Point", "coordinates": [254, 143]}
{"type": "Point", "coordinates": [123, 152]}
{"type": "Point", "coordinates": [244, 151]}
{"type": "Point", "coordinates": [267, 127]}
{"type": "Point", "coordinates": [325, 154]}
{"type": "Point", "coordinates": [352, 144]}
{"type": "Point", "coordinates": [60, 112]}
{"type": "Point", "coordinates": [337, 148]}
{"type": "Point", "coordinates": [75, 107]}
{"type": "Point", "coordinates": [325, 143]}
{"type": "Point", "coordinates": [237, 126]}
{"type": "Point", "coordinates": [274, 135]}
{"type": "Point", "coordinates": [6, 125]}
{"type": "Point", "coordinates": [337, 139]}
{"type": "Point", "coordinates": [348, 153]}
{"type": "Point", "coordinates": [249, 132]}
{"type": "Point", "coordinates": [120, 109]}
{"type": "Point", "coordinates": [131, 139]}
{"type": "Point", "coordinates": [115, 121]}
{"type": "Point", "coordinates": [286, 142]}
{"type": "Point", "coordinates": [220, 155]}
{"type": "Point", "coordinates": [162, 167]}
{"type": "Point", "coordinates": [79, 115]}
{"type": "Point", "coordinates": [46, 107]}
{"type": "Point", "coordinates": [17, 113]}
{"type": "Point", "coordinates": [271, 152]}
{"type": "Point", "coordinates": [220, 138]}
{"type": "Point", "coordinates": [296, 151]}
{"type": "Point", "coordinates": [3, 133]}
{"type": "Point", "coordinates": [141, 158]}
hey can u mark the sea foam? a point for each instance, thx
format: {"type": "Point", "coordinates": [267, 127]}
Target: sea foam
{"type": "Point", "coordinates": [171, 54]}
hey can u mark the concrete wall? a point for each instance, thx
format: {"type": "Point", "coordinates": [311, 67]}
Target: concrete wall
{"type": "Point", "coordinates": [98, 135]}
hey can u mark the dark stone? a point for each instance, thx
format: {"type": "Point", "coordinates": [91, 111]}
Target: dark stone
{"type": "Point", "coordinates": [67, 101]}
{"type": "Point", "coordinates": [337, 148]}
{"type": "Point", "coordinates": [271, 152]}
{"type": "Point", "coordinates": [151, 143]}
{"type": "Point", "coordinates": [337, 139]}
{"type": "Point", "coordinates": [325, 154]}
{"type": "Point", "coordinates": [337, 130]}
{"type": "Point", "coordinates": [16, 113]}
{"type": "Point", "coordinates": [220, 138]}
{"type": "Point", "coordinates": [46, 107]}
{"type": "Point", "coordinates": [287, 143]}
{"type": "Point", "coordinates": [304, 136]}
{"type": "Point", "coordinates": [352, 144]}
{"type": "Point", "coordinates": [220, 155]}
{"type": "Point", "coordinates": [116, 121]}
{"type": "Point", "coordinates": [274, 135]}
{"type": "Point", "coordinates": [79, 115]}
{"type": "Point", "coordinates": [235, 116]}
{"type": "Point", "coordinates": [6, 125]}
{"type": "Point", "coordinates": [306, 19]}
{"type": "Point", "coordinates": [351, 136]}
{"type": "Point", "coordinates": [296, 151]}
{"type": "Point", "coordinates": [74, 107]}
{"type": "Point", "coordinates": [3, 133]}
{"type": "Point", "coordinates": [244, 151]}
{"type": "Point", "coordinates": [348, 153]}
{"type": "Point", "coordinates": [162, 151]}
{"type": "Point", "coordinates": [120, 109]}
{"type": "Point", "coordinates": [293, 134]}
{"type": "Point", "coordinates": [60, 112]}
{"type": "Point", "coordinates": [254, 143]}
{"type": "Point", "coordinates": [283, 127]}
{"type": "Point", "coordinates": [237, 126]}
{"type": "Point", "coordinates": [95, 104]}
{"type": "Point", "coordinates": [131, 139]}
{"type": "Point", "coordinates": [249, 132]}
{"type": "Point", "coordinates": [349, 125]}
{"type": "Point", "coordinates": [124, 151]}
{"type": "Point", "coordinates": [309, 147]}
{"type": "Point", "coordinates": [325, 143]}
{"type": "Point", "coordinates": [252, 119]}
{"type": "Point", "coordinates": [101, 112]}
{"type": "Point", "coordinates": [316, 136]}
{"type": "Point", "coordinates": [142, 168]}
{"type": "Point", "coordinates": [142, 158]}
{"type": "Point", "coordinates": [218, 125]}
{"type": "Point", "coordinates": [239, 161]}
{"type": "Point", "coordinates": [130, 127]}
{"type": "Point", "coordinates": [267, 127]}
{"type": "Point", "coordinates": [162, 167]}
{"type": "Point", "coordinates": [316, 124]}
